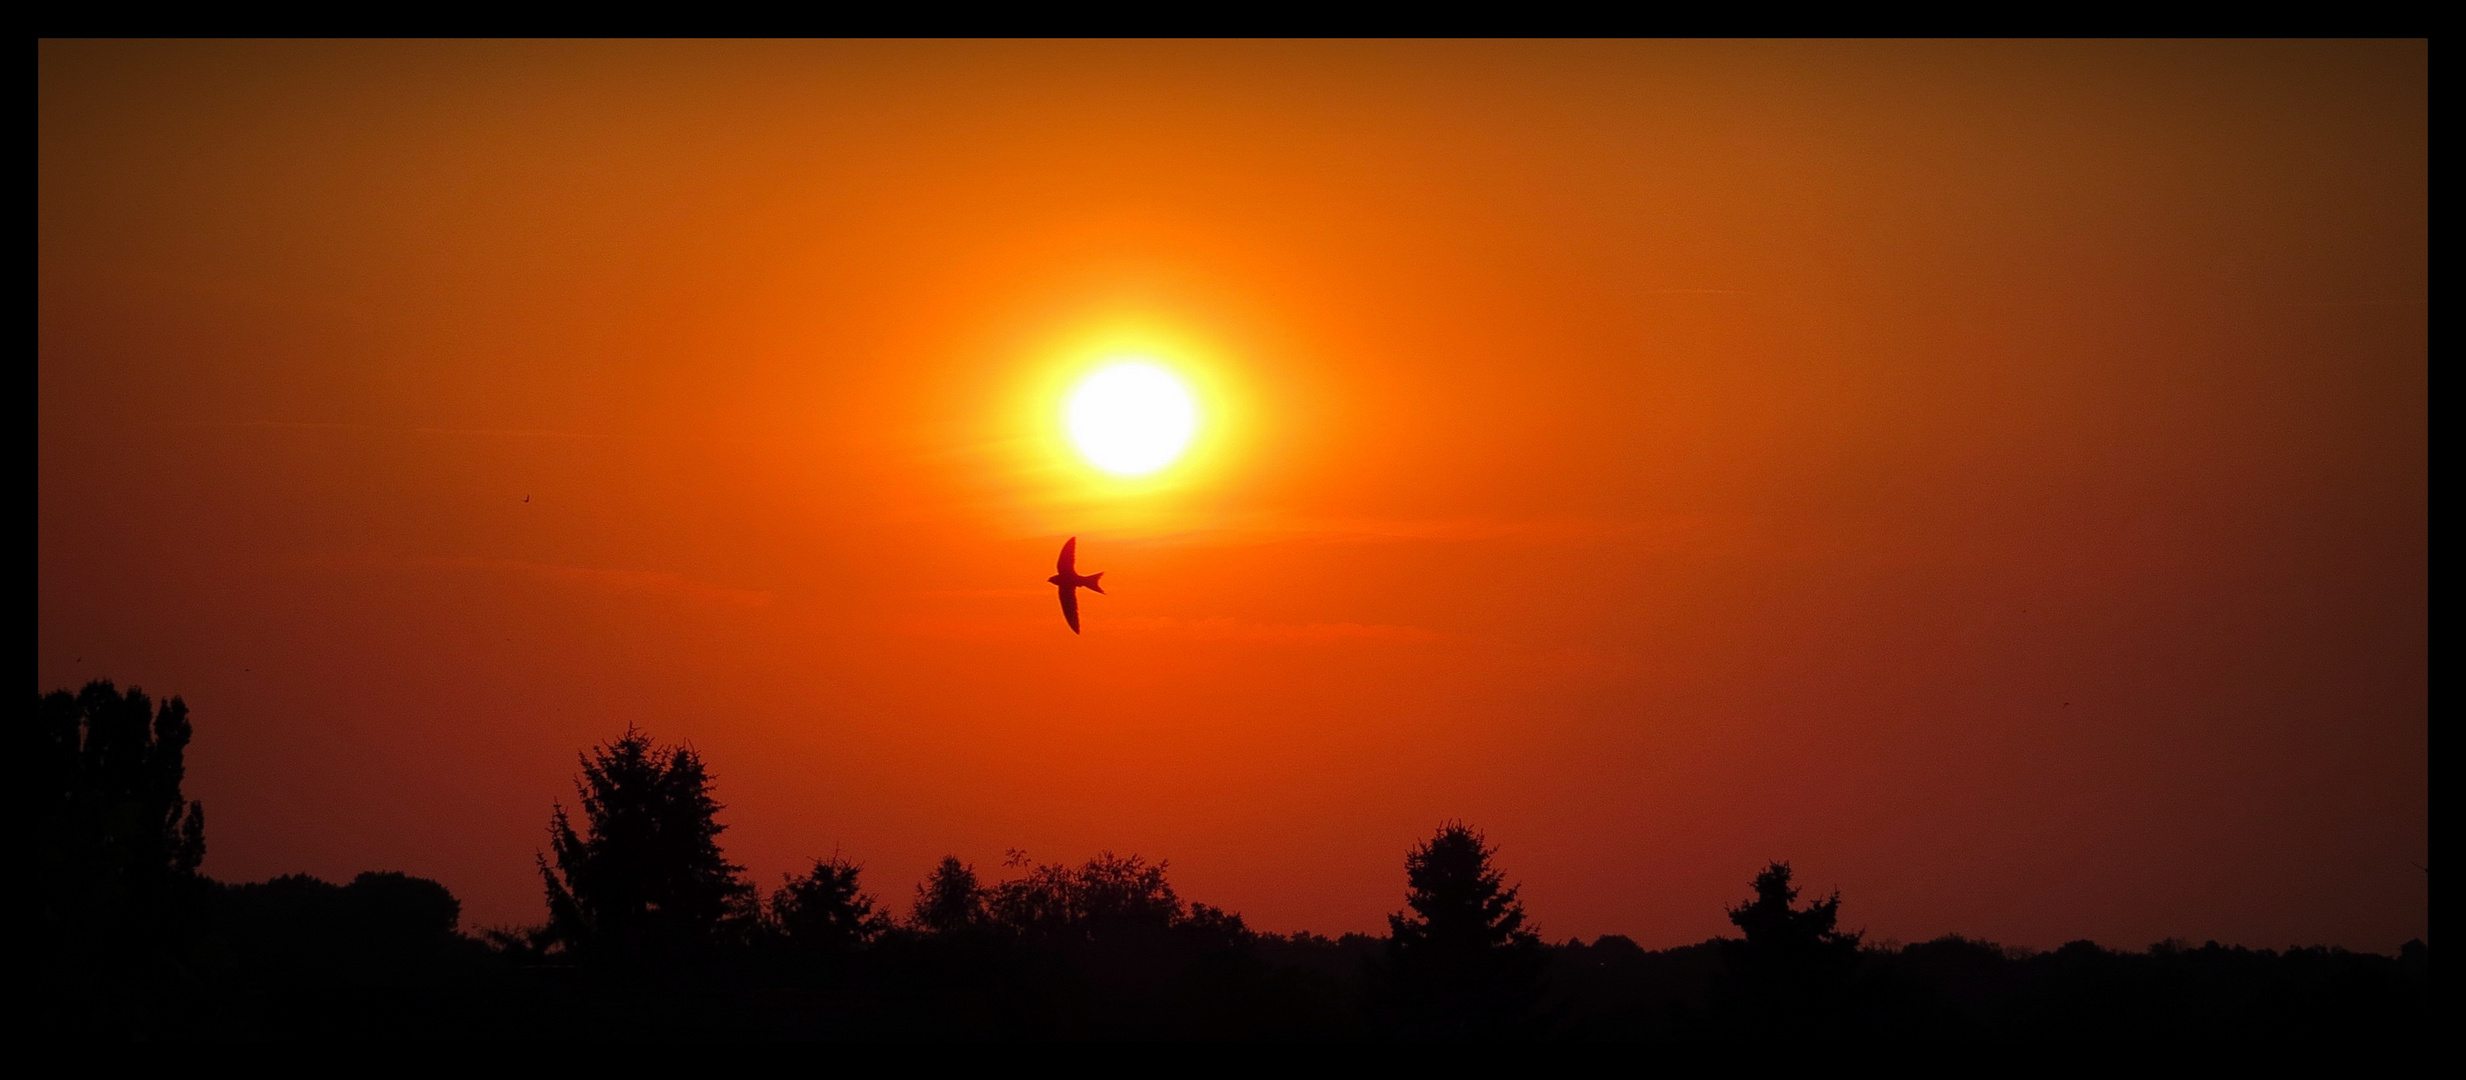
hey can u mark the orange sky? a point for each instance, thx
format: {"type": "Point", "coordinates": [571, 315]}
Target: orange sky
{"type": "Point", "coordinates": [1991, 476]}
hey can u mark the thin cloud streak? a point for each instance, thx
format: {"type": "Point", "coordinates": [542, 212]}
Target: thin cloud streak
{"type": "Point", "coordinates": [597, 579]}
{"type": "Point", "coordinates": [1227, 629]}
{"type": "Point", "coordinates": [1205, 629]}
{"type": "Point", "coordinates": [330, 425]}
{"type": "Point", "coordinates": [1684, 530]}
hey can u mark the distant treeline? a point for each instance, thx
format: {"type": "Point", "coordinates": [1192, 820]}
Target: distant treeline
{"type": "Point", "coordinates": [650, 933]}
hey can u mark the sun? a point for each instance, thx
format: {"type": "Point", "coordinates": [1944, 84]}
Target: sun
{"type": "Point", "coordinates": [1131, 418]}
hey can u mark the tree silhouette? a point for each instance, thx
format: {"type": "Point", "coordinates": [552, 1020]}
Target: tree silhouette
{"type": "Point", "coordinates": [416, 908]}
{"type": "Point", "coordinates": [118, 845]}
{"type": "Point", "coordinates": [949, 900]}
{"type": "Point", "coordinates": [1792, 970]}
{"type": "Point", "coordinates": [825, 910]}
{"type": "Point", "coordinates": [339, 925]}
{"type": "Point", "coordinates": [1108, 896]}
{"type": "Point", "coordinates": [1461, 964]}
{"type": "Point", "coordinates": [646, 877]}
{"type": "Point", "coordinates": [1116, 923]}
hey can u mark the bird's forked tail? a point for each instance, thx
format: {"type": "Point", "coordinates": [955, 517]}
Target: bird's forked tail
{"type": "Point", "coordinates": [1091, 581]}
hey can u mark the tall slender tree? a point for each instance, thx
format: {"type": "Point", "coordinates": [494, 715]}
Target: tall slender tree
{"type": "Point", "coordinates": [117, 844]}
{"type": "Point", "coordinates": [644, 877]}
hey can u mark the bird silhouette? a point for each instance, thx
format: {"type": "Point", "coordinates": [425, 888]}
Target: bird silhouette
{"type": "Point", "coordinates": [1070, 581]}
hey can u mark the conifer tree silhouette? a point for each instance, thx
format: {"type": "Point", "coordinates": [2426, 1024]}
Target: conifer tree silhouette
{"type": "Point", "coordinates": [949, 900]}
{"type": "Point", "coordinates": [826, 910]}
{"type": "Point", "coordinates": [645, 878]}
{"type": "Point", "coordinates": [1791, 971]}
{"type": "Point", "coordinates": [1461, 964]}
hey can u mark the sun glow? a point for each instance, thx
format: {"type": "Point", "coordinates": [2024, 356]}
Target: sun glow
{"type": "Point", "coordinates": [1131, 418]}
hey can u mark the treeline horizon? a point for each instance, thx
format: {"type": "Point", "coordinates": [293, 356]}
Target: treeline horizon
{"type": "Point", "coordinates": [649, 932]}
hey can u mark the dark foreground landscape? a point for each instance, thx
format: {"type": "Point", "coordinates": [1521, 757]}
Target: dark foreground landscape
{"type": "Point", "coordinates": [651, 934]}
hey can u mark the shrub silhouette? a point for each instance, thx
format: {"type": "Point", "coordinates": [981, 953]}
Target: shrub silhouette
{"type": "Point", "coordinates": [825, 910]}
{"type": "Point", "coordinates": [949, 900]}
{"type": "Point", "coordinates": [1461, 964]}
{"type": "Point", "coordinates": [1791, 973]}
{"type": "Point", "coordinates": [645, 877]}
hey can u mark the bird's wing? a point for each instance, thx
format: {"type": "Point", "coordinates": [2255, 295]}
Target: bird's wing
{"type": "Point", "coordinates": [1068, 564]}
{"type": "Point", "coordinates": [1070, 607]}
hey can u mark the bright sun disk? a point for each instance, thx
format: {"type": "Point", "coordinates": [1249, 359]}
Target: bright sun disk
{"type": "Point", "coordinates": [1131, 419]}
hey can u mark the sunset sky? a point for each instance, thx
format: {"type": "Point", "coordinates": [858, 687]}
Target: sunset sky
{"type": "Point", "coordinates": [1990, 476]}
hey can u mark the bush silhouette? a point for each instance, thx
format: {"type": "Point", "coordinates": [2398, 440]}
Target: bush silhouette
{"type": "Point", "coordinates": [1461, 964]}
{"type": "Point", "coordinates": [645, 877]}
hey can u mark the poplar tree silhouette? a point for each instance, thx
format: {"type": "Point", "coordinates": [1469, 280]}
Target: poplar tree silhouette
{"type": "Point", "coordinates": [1461, 964]}
{"type": "Point", "coordinates": [117, 844]}
{"type": "Point", "coordinates": [645, 878]}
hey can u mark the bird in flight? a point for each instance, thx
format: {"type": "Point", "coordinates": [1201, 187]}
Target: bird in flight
{"type": "Point", "coordinates": [1070, 582]}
